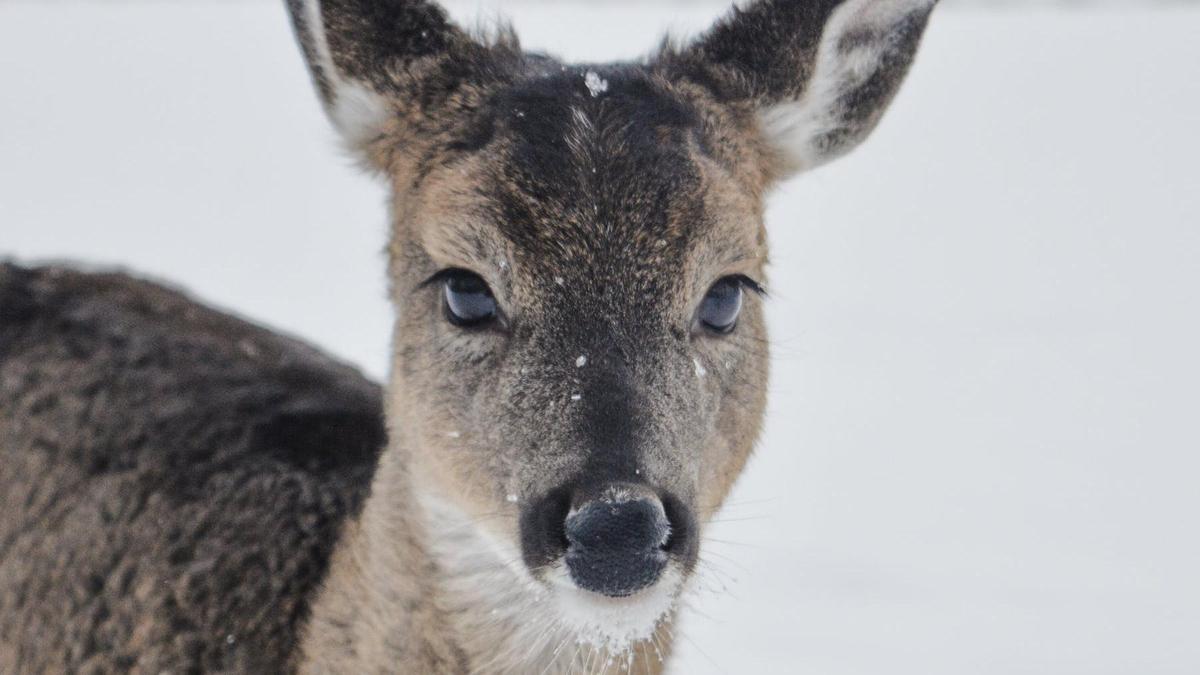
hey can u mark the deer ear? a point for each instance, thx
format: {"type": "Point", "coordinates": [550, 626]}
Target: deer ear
{"type": "Point", "coordinates": [818, 73]}
{"type": "Point", "coordinates": [377, 61]}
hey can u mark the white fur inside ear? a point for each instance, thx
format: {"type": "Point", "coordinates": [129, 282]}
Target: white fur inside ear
{"type": "Point", "coordinates": [357, 112]}
{"type": "Point", "coordinates": [798, 128]}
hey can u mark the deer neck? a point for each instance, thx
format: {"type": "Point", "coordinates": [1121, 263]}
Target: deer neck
{"type": "Point", "coordinates": [377, 610]}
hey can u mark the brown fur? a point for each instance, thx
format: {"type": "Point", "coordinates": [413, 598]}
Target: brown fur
{"type": "Point", "coordinates": [600, 204]}
{"type": "Point", "coordinates": [172, 478]}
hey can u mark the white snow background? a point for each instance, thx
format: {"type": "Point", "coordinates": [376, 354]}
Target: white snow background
{"type": "Point", "coordinates": [981, 455]}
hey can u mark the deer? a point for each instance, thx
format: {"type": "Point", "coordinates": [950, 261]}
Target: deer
{"type": "Point", "coordinates": [576, 262]}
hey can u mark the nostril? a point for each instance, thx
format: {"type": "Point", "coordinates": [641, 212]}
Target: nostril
{"type": "Point", "coordinates": [680, 542]}
{"type": "Point", "coordinates": [562, 507]}
{"type": "Point", "coordinates": [669, 540]}
{"type": "Point", "coordinates": [542, 521]}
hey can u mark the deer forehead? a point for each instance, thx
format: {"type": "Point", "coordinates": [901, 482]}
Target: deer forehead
{"type": "Point", "coordinates": [590, 172]}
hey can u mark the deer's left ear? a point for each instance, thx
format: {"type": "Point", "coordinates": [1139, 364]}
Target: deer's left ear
{"type": "Point", "coordinates": [818, 73]}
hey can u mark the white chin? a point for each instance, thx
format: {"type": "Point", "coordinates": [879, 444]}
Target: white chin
{"type": "Point", "coordinates": [614, 624]}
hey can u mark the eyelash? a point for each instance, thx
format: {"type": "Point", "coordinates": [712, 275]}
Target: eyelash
{"type": "Point", "coordinates": [749, 284]}
{"type": "Point", "coordinates": [442, 275]}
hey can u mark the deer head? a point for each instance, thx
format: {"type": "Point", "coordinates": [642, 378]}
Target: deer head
{"type": "Point", "coordinates": [577, 266]}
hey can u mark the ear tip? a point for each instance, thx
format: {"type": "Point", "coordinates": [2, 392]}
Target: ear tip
{"type": "Point", "coordinates": [895, 9]}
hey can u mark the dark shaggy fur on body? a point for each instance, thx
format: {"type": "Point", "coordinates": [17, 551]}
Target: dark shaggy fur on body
{"type": "Point", "coordinates": [172, 479]}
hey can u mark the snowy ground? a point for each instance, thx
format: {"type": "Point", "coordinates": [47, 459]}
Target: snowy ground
{"type": "Point", "coordinates": [982, 454]}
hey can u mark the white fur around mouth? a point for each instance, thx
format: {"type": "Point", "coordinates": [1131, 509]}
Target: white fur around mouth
{"type": "Point", "coordinates": [492, 592]}
{"type": "Point", "coordinates": [613, 624]}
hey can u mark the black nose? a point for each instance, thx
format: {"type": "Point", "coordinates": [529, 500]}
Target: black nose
{"type": "Point", "coordinates": [617, 548]}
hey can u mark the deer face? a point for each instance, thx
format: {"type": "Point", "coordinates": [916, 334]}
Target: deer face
{"type": "Point", "coordinates": [580, 335]}
{"type": "Point", "coordinates": [577, 264]}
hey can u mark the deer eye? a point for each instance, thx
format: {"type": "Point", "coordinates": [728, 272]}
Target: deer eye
{"type": "Point", "coordinates": [469, 301]}
{"type": "Point", "coordinates": [722, 305]}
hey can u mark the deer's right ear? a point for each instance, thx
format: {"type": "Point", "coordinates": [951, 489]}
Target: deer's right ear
{"type": "Point", "coordinates": [379, 62]}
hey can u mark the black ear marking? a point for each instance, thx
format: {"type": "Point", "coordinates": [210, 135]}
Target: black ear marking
{"type": "Point", "coordinates": [765, 51]}
{"type": "Point", "coordinates": [372, 60]}
{"type": "Point", "coordinates": [819, 73]}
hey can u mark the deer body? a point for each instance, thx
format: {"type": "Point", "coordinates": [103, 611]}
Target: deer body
{"type": "Point", "coordinates": [172, 481]}
{"type": "Point", "coordinates": [576, 261]}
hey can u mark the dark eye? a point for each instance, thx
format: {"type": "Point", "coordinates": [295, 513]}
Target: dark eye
{"type": "Point", "coordinates": [469, 301]}
{"type": "Point", "coordinates": [721, 307]}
